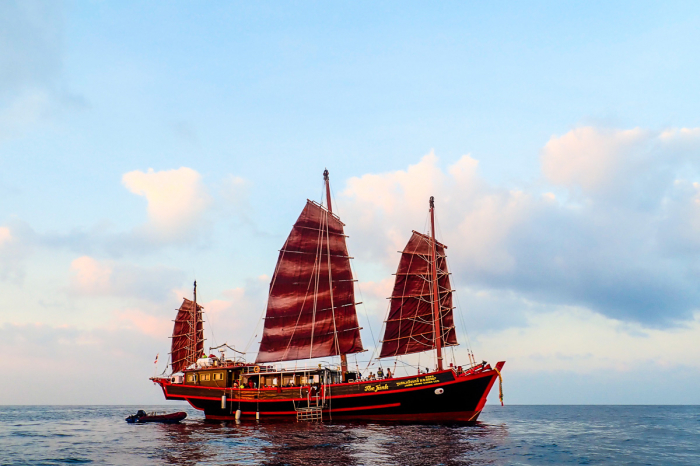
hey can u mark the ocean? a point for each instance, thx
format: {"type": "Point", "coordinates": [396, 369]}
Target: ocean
{"type": "Point", "coordinates": [510, 435]}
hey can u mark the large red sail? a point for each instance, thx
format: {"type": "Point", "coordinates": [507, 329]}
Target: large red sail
{"type": "Point", "coordinates": [410, 325]}
{"type": "Point", "coordinates": [186, 346]}
{"type": "Point", "coordinates": [311, 306]}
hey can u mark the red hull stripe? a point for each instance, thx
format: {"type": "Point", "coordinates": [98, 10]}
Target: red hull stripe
{"type": "Point", "coordinates": [360, 408]}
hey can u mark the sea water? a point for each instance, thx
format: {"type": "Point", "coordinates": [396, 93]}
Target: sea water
{"type": "Point", "coordinates": [510, 435]}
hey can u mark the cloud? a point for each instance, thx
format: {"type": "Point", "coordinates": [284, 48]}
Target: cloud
{"type": "Point", "coordinates": [91, 277]}
{"type": "Point", "coordinates": [177, 202]}
{"type": "Point", "coordinates": [622, 167]}
{"type": "Point", "coordinates": [159, 328]}
{"type": "Point", "coordinates": [578, 340]}
{"type": "Point", "coordinates": [179, 211]}
{"type": "Point", "coordinates": [235, 316]}
{"type": "Point", "coordinates": [23, 112]}
{"type": "Point", "coordinates": [5, 236]}
{"type": "Point", "coordinates": [15, 247]}
{"type": "Point", "coordinates": [32, 88]}
{"type": "Point", "coordinates": [621, 239]}
{"type": "Point", "coordinates": [61, 354]}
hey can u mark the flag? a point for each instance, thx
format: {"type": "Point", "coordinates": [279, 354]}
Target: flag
{"type": "Point", "coordinates": [156, 361]}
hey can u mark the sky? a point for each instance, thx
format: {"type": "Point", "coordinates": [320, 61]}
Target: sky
{"type": "Point", "coordinates": [146, 145]}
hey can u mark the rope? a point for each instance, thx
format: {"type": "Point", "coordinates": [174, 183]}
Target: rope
{"type": "Point", "coordinates": [500, 385]}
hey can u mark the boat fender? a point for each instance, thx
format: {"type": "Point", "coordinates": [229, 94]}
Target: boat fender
{"type": "Point", "coordinates": [257, 415]}
{"type": "Point", "coordinates": [238, 414]}
{"type": "Point", "coordinates": [223, 401]}
{"type": "Point", "coordinates": [439, 391]}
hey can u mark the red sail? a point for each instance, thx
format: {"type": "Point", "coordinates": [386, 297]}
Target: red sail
{"type": "Point", "coordinates": [409, 328]}
{"type": "Point", "coordinates": [311, 306]}
{"type": "Point", "coordinates": [186, 347]}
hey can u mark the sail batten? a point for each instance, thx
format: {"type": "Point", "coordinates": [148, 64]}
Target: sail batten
{"type": "Point", "coordinates": [311, 304]}
{"type": "Point", "coordinates": [410, 323]}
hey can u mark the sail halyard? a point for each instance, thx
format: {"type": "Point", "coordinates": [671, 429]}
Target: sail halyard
{"type": "Point", "coordinates": [311, 303]}
{"type": "Point", "coordinates": [421, 312]}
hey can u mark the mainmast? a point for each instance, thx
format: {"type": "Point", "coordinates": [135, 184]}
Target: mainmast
{"type": "Point", "coordinates": [436, 291]}
{"type": "Point", "coordinates": [343, 356]}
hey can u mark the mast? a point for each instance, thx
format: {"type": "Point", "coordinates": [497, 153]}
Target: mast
{"type": "Point", "coordinates": [436, 292]}
{"type": "Point", "coordinates": [194, 325]}
{"type": "Point", "coordinates": [343, 356]}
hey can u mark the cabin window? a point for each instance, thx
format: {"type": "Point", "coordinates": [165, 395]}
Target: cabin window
{"type": "Point", "coordinates": [218, 376]}
{"type": "Point", "coordinates": [205, 377]}
{"type": "Point", "coordinates": [191, 377]}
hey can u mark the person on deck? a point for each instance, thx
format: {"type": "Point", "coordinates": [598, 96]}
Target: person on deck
{"type": "Point", "coordinates": [371, 376]}
{"type": "Point", "coordinates": [380, 373]}
{"type": "Point", "coordinates": [388, 373]}
{"type": "Point", "coordinates": [251, 384]}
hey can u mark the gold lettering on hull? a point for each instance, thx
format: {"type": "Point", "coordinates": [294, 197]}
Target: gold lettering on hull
{"type": "Point", "coordinates": [376, 388]}
{"type": "Point", "coordinates": [427, 380]}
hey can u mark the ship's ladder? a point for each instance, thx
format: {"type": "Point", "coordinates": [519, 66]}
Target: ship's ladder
{"type": "Point", "coordinates": [312, 413]}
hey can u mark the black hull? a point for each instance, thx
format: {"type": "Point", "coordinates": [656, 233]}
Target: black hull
{"type": "Point", "coordinates": [436, 397]}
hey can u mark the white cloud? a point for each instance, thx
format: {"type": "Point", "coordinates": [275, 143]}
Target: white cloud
{"type": "Point", "coordinates": [177, 201]}
{"type": "Point", "coordinates": [14, 249]}
{"type": "Point", "coordinates": [578, 340]}
{"type": "Point", "coordinates": [23, 112]}
{"type": "Point", "coordinates": [120, 358]}
{"type": "Point", "coordinates": [5, 236]}
{"type": "Point", "coordinates": [91, 277]}
{"type": "Point", "coordinates": [383, 209]}
{"type": "Point", "coordinates": [159, 328]}
{"type": "Point", "coordinates": [622, 243]}
{"type": "Point", "coordinates": [595, 159]}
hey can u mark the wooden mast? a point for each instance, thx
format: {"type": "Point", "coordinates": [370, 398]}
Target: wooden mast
{"type": "Point", "coordinates": [437, 328]}
{"type": "Point", "coordinates": [343, 357]}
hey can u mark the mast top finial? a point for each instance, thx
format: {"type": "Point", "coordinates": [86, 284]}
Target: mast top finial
{"type": "Point", "coordinates": [432, 202]}
{"type": "Point", "coordinates": [325, 174]}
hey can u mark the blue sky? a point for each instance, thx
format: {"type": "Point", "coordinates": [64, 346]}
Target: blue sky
{"type": "Point", "coordinates": [145, 145]}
